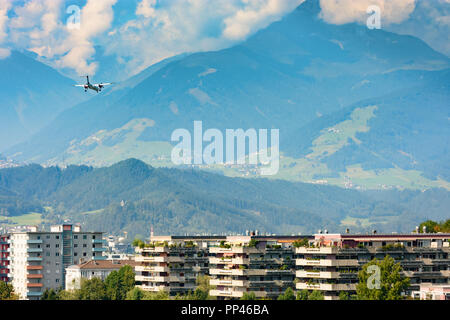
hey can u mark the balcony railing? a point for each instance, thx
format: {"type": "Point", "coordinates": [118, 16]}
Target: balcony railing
{"type": "Point", "coordinates": [327, 262]}
{"type": "Point", "coordinates": [326, 286]}
{"type": "Point", "coordinates": [34, 259]}
{"type": "Point", "coordinates": [35, 285]}
{"type": "Point", "coordinates": [319, 274]}
{"type": "Point", "coordinates": [151, 269]}
{"type": "Point", "coordinates": [34, 241]}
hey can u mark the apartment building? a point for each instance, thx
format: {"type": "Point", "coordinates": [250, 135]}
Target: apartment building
{"type": "Point", "coordinates": [93, 269]}
{"type": "Point", "coordinates": [4, 258]}
{"type": "Point", "coordinates": [259, 265]}
{"type": "Point", "coordinates": [38, 259]}
{"type": "Point", "coordinates": [330, 263]}
{"type": "Point", "coordinates": [172, 264]}
{"type": "Point", "coordinates": [430, 291]}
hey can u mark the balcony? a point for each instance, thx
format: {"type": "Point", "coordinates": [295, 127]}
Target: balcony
{"type": "Point", "coordinates": [158, 259]}
{"type": "Point", "coordinates": [34, 250]}
{"type": "Point", "coordinates": [34, 293]}
{"type": "Point", "coordinates": [151, 259]}
{"type": "Point", "coordinates": [35, 267]}
{"type": "Point", "coordinates": [321, 250]}
{"type": "Point", "coordinates": [151, 269]}
{"type": "Point", "coordinates": [34, 259]}
{"type": "Point", "coordinates": [327, 262]}
{"type": "Point", "coordinates": [35, 276]}
{"type": "Point", "coordinates": [242, 272]}
{"type": "Point", "coordinates": [35, 285]}
{"type": "Point", "coordinates": [229, 261]}
{"type": "Point", "coordinates": [97, 241]}
{"type": "Point", "coordinates": [319, 274]}
{"type": "Point", "coordinates": [155, 249]}
{"type": "Point", "coordinates": [151, 279]}
{"type": "Point", "coordinates": [34, 241]}
{"type": "Point", "coordinates": [233, 250]}
{"type": "Point", "coordinates": [326, 286]}
{"type": "Point", "coordinates": [229, 283]}
{"type": "Point", "coordinates": [99, 249]}
{"type": "Point", "coordinates": [154, 288]}
{"type": "Point", "coordinates": [160, 279]}
{"type": "Point", "coordinates": [99, 258]}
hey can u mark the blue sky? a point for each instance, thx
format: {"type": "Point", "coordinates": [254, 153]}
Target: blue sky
{"type": "Point", "coordinates": [138, 33]}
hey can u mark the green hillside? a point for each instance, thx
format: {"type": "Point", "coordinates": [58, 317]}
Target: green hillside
{"type": "Point", "coordinates": [132, 196]}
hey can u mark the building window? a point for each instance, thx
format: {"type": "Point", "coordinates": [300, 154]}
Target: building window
{"type": "Point", "coordinates": [57, 245]}
{"type": "Point", "coordinates": [57, 237]}
{"type": "Point", "coordinates": [75, 254]}
{"type": "Point", "coordinates": [84, 237]}
{"type": "Point", "coordinates": [84, 254]}
{"type": "Point", "coordinates": [85, 245]}
{"type": "Point", "coordinates": [75, 245]}
{"type": "Point", "coordinates": [57, 254]}
{"type": "Point", "coordinates": [75, 237]}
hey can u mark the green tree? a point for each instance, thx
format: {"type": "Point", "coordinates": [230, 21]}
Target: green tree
{"type": "Point", "coordinates": [203, 288]}
{"type": "Point", "coordinates": [135, 294]}
{"type": "Point", "coordinates": [391, 281]}
{"type": "Point", "coordinates": [127, 276]}
{"type": "Point", "coordinates": [7, 292]}
{"type": "Point", "coordinates": [252, 243]}
{"type": "Point", "coordinates": [118, 283]}
{"type": "Point", "coordinates": [248, 296]}
{"type": "Point", "coordinates": [432, 226]}
{"type": "Point", "coordinates": [287, 295]}
{"type": "Point", "coordinates": [161, 295]}
{"type": "Point", "coordinates": [49, 295]}
{"type": "Point", "coordinates": [68, 295]}
{"type": "Point", "coordinates": [93, 289]}
{"type": "Point", "coordinates": [114, 286]}
{"type": "Point", "coordinates": [343, 295]}
{"type": "Point", "coordinates": [316, 295]}
{"type": "Point", "coordinates": [302, 295]}
{"type": "Point", "coordinates": [301, 243]}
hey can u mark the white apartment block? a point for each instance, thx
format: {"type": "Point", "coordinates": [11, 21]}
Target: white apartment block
{"type": "Point", "coordinates": [38, 259]}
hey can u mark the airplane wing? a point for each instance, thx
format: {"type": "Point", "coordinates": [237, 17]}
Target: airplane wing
{"type": "Point", "coordinates": [103, 84]}
{"type": "Point", "coordinates": [79, 85]}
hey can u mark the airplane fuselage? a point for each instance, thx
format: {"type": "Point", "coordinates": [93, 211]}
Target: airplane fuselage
{"type": "Point", "coordinates": [92, 87]}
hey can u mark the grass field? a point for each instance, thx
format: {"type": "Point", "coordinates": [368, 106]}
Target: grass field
{"type": "Point", "coordinates": [23, 220]}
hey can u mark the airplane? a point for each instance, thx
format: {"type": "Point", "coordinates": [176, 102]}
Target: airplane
{"type": "Point", "coordinates": [95, 87]}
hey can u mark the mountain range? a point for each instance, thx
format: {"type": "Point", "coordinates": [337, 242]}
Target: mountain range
{"type": "Point", "coordinates": [355, 107]}
{"type": "Point", "coordinates": [133, 196]}
{"type": "Point", "coordinates": [32, 94]}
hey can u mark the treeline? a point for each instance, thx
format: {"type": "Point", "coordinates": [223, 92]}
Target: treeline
{"type": "Point", "coordinates": [131, 196]}
{"type": "Point", "coordinates": [435, 227]}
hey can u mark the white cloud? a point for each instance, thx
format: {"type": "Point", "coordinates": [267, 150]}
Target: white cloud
{"type": "Point", "coordinates": [5, 6]}
{"type": "Point", "coordinates": [256, 15]}
{"type": "Point", "coordinates": [38, 26]}
{"type": "Point", "coordinates": [347, 11]}
{"type": "Point", "coordinates": [173, 27]}
{"type": "Point", "coordinates": [96, 19]}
